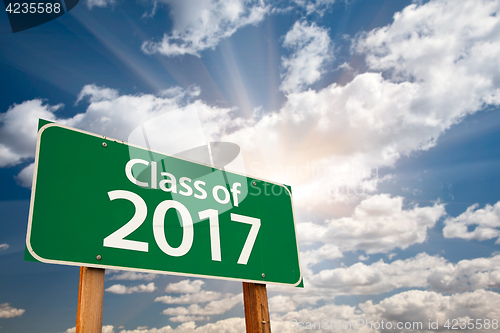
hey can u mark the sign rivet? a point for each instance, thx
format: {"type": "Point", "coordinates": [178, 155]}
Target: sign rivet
{"type": "Point", "coordinates": [255, 183]}
{"type": "Point", "coordinates": [263, 322]}
{"type": "Point", "coordinates": [98, 257]}
{"type": "Point", "coordinates": [263, 275]}
{"type": "Point", "coordinates": [104, 144]}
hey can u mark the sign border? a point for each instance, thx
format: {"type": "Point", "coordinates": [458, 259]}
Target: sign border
{"type": "Point", "coordinates": [71, 263]}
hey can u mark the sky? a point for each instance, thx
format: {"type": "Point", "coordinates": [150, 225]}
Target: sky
{"type": "Point", "coordinates": [381, 116]}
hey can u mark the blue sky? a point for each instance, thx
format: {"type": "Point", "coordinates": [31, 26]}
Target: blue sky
{"type": "Point", "coordinates": [381, 115]}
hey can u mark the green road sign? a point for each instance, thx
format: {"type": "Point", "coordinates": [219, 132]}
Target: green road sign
{"type": "Point", "coordinates": [100, 202]}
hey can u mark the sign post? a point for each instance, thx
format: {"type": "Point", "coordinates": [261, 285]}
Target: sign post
{"type": "Point", "coordinates": [256, 308]}
{"type": "Point", "coordinates": [102, 203]}
{"type": "Point", "coordinates": [90, 300]}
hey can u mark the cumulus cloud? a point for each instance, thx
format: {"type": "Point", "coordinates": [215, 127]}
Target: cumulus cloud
{"type": "Point", "coordinates": [193, 294]}
{"type": "Point", "coordinates": [230, 325]}
{"type": "Point", "coordinates": [198, 297]}
{"type": "Point", "coordinates": [121, 289]}
{"type": "Point", "coordinates": [200, 25]}
{"type": "Point", "coordinates": [96, 94]}
{"type": "Point", "coordinates": [186, 327]}
{"type": "Point", "coordinates": [378, 277]}
{"type": "Point", "coordinates": [185, 287]}
{"type": "Point", "coordinates": [486, 222]}
{"type": "Point", "coordinates": [281, 303]}
{"type": "Point", "coordinates": [435, 64]}
{"type": "Point", "coordinates": [310, 258]}
{"type": "Point", "coordinates": [6, 311]}
{"type": "Point", "coordinates": [183, 319]}
{"type": "Point", "coordinates": [18, 130]}
{"type": "Point", "coordinates": [315, 6]}
{"type": "Point", "coordinates": [4, 246]}
{"type": "Point", "coordinates": [311, 50]}
{"type": "Point", "coordinates": [112, 115]}
{"type": "Point", "coordinates": [466, 275]}
{"type": "Point", "coordinates": [422, 271]}
{"type": "Point", "coordinates": [420, 306]}
{"type": "Point", "coordinates": [132, 276]}
{"type": "Point", "coordinates": [414, 307]}
{"type": "Point", "coordinates": [378, 224]}
{"type": "Point", "coordinates": [25, 177]}
{"type": "Point", "coordinates": [337, 313]}
{"type": "Point", "coordinates": [117, 116]}
{"type": "Point", "coordinates": [216, 307]}
{"type": "Point", "coordinates": [99, 3]}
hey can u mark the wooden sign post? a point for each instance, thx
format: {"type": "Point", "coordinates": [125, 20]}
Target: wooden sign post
{"type": "Point", "coordinates": [256, 308]}
{"type": "Point", "coordinates": [91, 294]}
{"type": "Point", "coordinates": [90, 299]}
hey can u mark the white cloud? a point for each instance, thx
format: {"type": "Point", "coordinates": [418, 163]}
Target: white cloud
{"type": "Point", "coordinates": [186, 327]}
{"type": "Point", "coordinates": [348, 131]}
{"type": "Point", "coordinates": [422, 271]}
{"type": "Point", "coordinates": [410, 307]}
{"type": "Point", "coordinates": [310, 258]}
{"type": "Point", "coordinates": [6, 311]}
{"type": "Point", "coordinates": [99, 3]}
{"type": "Point", "coordinates": [108, 114]}
{"type": "Point", "coordinates": [96, 94]}
{"type": "Point", "coordinates": [378, 224]}
{"type": "Point", "coordinates": [183, 319]}
{"type": "Point", "coordinates": [230, 325]}
{"type": "Point", "coordinates": [185, 287]}
{"type": "Point", "coordinates": [116, 117]}
{"type": "Point", "coordinates": [121, 289]}
{"type": "Point", "coordinates": [315, 6]}
{"type": "Point", "coordinates": [193, 294]}
{"type": "Point", "coordinates": [420, 306]}
{"type": "Point", "coordinates": [337, 313]}
{"type": "Point", "coordinates": [311, 47]}
{"type": "Point", "coordinates": [132, 276]}
{"type": "Point", "coordinates": [200, 25]}
{"type": "Point", "coordinates": [435, 64]}
{"type": "Point", "coordinates": [486, 221]}
{"type": "Point", "coordinates": [18, 130]}
{"type": "Point", "coordinates": [437, 42]}
{"type": "Point", "coordinates": [281, 303]}
{"type": "Point", "coordinates": [25, 177]}
{"type": "Point", "coordinates": [378, 277]}
{"type": "Point", "coordinates": [466, 275]}
{"type": "Point", "coordinates": [424, 83]}
{"type": "Point", "coordinates": [4, 246]}
{"type": "Point", "coordinates": [198, 297]}
{"type": "Point", "coordinates": [213, 308]}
